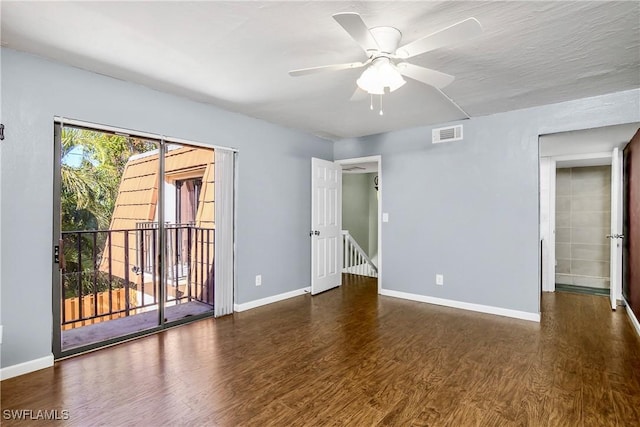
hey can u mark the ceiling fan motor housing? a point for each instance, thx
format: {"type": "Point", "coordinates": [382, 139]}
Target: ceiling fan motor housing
{"type": "Point", "coordinates": [388, 39]}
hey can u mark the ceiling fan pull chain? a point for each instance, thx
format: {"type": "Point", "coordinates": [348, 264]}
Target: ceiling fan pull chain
{"type": "Point", "coordinates": [381, 112]}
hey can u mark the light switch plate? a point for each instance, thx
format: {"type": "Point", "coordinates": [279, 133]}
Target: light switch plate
{"type": "Point", "coordinates": [385, 217]}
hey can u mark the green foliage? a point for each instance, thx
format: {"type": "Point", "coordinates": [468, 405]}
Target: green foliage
{"type": "Point", "coordinates": [90, 281]}
{"type": "Point", "coordinates": [92, 164]}
{"type": "Point", "coordinates": [89, 185]}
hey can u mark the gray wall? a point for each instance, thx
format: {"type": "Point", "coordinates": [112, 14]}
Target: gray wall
{"type": "Point", "coordinates": [360, 210]}
{"type": "Point", "coordinates": [583, 219]}
{"type": "Point", "coordinates": [469, 209]}
{"type": "Point", "coordinates": [355, 207]}
{"type": "Point", "coordinates": [274, 200]}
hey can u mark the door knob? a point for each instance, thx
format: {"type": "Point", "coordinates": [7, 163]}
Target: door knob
{"type": "Point", "coordinates": [317, 233]}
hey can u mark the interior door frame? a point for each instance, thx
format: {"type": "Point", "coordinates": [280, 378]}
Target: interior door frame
{"type": "Point", "coordinates": [548, 280]}
{"type": "Point", "coordinates": [377, 159]}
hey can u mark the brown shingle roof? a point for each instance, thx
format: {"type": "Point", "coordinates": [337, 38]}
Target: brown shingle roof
{"type": "Point", "coordinates": [138, 195]}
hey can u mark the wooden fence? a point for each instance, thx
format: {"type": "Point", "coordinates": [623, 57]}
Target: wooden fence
{"type": "Point", "coordinates": [118, 302]}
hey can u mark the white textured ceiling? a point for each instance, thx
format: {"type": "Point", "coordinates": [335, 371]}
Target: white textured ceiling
{"type": "Point", "coordinates": [236, 54]}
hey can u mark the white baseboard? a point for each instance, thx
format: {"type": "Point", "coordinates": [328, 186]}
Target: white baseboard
{"type": "Point", "coordinates": [632, 317]}
{"type": "Point", "coordinates": [268, 300]}
{"type": "Point", "coordinates": [26, 367]}
{"type": "Point", "coordinates": [534, 317]}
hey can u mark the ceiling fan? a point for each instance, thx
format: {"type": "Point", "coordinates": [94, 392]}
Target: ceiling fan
{"type": "Point", "coordinates": [386, 62]}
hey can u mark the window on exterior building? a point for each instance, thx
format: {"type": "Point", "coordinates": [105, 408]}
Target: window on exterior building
{"type": "Point", "coordinates": [187, 196]}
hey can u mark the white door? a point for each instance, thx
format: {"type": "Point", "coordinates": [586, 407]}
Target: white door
{"type": "Point", "coordinates": [547, 222]}
{"type": "Point", "coordinates": [615, 237]}
{"type": "Point", "coordinates": [326, 218]}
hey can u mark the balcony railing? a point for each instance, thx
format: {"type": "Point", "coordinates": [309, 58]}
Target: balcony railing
{"type": "Point", "coordinates": [115, 273]}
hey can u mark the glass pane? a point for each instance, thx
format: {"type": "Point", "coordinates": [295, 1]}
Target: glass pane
{"type": "Point", "coordinates": [108, 189]}
{"type": "Point", "coordinates": [189, 230]}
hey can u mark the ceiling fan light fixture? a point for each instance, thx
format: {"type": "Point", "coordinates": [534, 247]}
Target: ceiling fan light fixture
{"type": "Point", "coordinates": [380, 75]}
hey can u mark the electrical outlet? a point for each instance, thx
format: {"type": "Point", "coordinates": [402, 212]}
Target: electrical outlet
{"type": "Point", "coordinates": [259, 280]}
{"type": "Point", "coordinates": [439, 279]}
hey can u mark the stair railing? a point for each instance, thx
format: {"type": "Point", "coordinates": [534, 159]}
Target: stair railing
{"type": "Point", "coordinates": [355, 259]}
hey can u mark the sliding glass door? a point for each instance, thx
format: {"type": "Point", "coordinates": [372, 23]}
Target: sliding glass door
{"type": "Point", "coordinates": [134, 236]}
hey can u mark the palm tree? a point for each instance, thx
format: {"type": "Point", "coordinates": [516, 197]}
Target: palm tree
{"type": "Point", "coordinates": [92, 164]}
{"type": "Point", "coordinates": [81, 191]}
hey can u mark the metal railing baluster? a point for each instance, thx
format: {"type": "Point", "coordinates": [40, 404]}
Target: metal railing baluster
{"type": "Point", "coordinates": [80, 273]}
{"type": "Point", "coordinates": [94, 265]}
{"type": "Point", "coordinates": [188, 264]}
{"type": "Point", "coordinates": [126, 273]}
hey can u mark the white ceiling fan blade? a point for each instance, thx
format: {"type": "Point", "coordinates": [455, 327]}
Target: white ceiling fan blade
{"type": "Point", "coordinates": [425, 75]}
{"type": "Point", "coordinates": [455, 33]}
{"type": "Point", "coordinates": [354, 25]}
{"type": "Point", "coordinates": [334, 67]}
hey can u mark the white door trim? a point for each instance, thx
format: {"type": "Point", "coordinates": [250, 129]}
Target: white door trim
{"type": "Point", "coordinates": [378, 160]}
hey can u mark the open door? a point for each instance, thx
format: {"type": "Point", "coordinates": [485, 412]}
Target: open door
{"type": "Point", "coordinates": [616, 228]}
{"type": "Point", "coordinates": [326, 238]}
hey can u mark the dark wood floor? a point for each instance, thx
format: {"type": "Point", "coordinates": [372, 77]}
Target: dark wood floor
{"type": "Point", "coordinates": [351, 357]}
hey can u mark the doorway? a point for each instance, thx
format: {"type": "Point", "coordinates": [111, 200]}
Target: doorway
{"type": "Point", "coordinates": [361, 218]}
{"type": "Point", "coordinates": [583, 221]}
{"type": "Point", "coordinates": [580, 206]}
{"type": "Point", "coordinates": [134, 235]}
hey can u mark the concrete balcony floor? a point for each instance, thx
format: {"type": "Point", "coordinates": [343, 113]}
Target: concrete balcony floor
{"type": "Point", "coordinates": [98, 332]}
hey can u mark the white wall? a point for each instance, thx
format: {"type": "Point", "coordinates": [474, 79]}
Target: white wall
{"type": "Point", "coordinates": [469, 209]}
{"type": "Point", "coordinates": [274, 181]}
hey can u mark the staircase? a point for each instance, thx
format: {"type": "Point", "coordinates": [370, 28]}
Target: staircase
{"type": "Point", "coordinates": [355, 259]}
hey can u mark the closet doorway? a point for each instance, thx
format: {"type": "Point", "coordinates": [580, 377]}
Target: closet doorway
{"type": "Point", "coordinates": [580, 210]}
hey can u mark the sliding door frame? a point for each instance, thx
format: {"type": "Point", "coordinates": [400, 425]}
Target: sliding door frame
{"type": "Point", "coordinates": [162, 142]}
